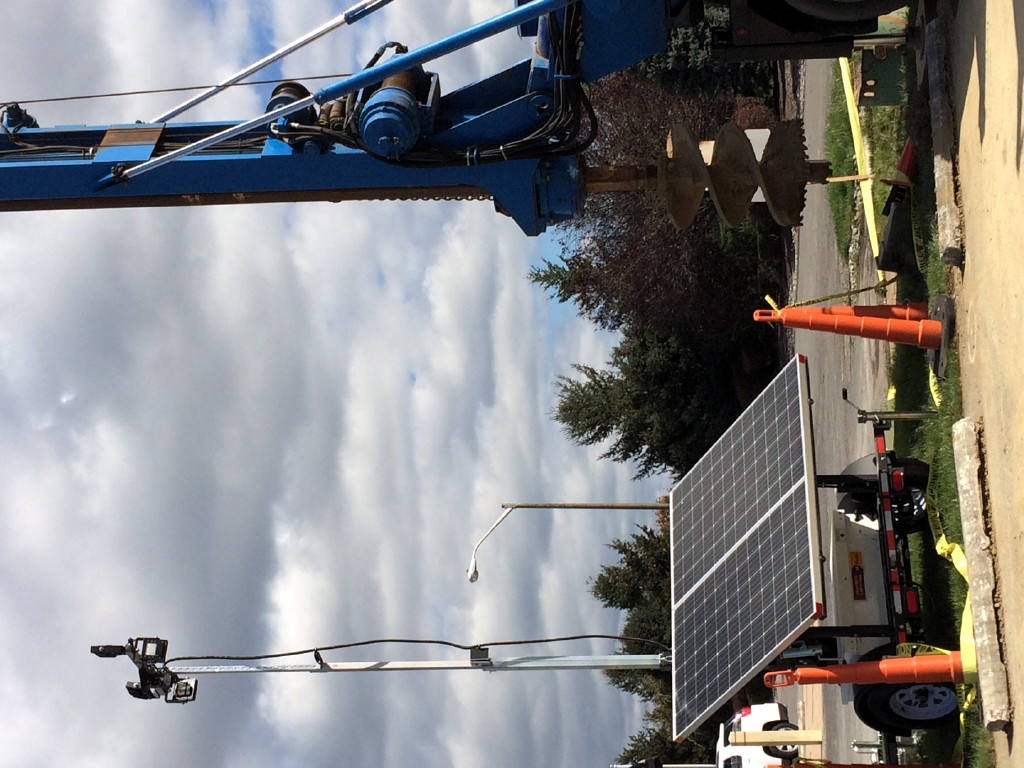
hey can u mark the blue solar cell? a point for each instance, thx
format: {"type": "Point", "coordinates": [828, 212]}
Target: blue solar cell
{"type": "Point", "coordinates": [745, 550]}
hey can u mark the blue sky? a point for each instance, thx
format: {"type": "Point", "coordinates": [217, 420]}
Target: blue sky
{"type": "Point", "coordinates": [253, 429]}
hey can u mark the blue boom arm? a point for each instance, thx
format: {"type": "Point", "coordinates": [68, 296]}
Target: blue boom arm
{"type": "Point", "coordinates": [387, 132]}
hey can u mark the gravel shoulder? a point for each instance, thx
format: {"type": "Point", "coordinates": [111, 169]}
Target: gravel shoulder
{"type": "Point", "coordinates": [986, 77]}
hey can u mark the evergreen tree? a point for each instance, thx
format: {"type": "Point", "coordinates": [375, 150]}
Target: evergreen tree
{"type": "Point", "coordinates": [639, 585]}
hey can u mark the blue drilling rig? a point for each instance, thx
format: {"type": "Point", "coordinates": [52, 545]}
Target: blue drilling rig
{"type": "Point", "coordinates": [391, 132]}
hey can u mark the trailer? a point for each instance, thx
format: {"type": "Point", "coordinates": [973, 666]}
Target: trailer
{"type": "Point", "coordinates": [763, 580]}
{"type": "Point", "coordinates": [882, 501]}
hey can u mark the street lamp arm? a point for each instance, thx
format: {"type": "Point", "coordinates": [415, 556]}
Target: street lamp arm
{"type": "Point", "coordinates": [658, 505]}
{"type": "Point", "coordinates": [472, 571]}
{"type": "Point", "coordinates": [474, 574]}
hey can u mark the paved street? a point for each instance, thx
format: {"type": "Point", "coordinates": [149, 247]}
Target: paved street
{"type": "Point", "coordinates": [835, 362]}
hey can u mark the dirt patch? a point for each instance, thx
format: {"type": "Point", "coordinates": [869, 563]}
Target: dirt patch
{"type": "Point", "coordinates": [987, 90]}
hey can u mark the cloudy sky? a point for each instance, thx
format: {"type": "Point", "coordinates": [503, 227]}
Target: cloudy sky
{"type": "Point", "coordinates": [254, 429]}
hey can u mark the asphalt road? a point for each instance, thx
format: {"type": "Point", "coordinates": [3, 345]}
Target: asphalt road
{"type": "Point", "coordinates": [834, 362]}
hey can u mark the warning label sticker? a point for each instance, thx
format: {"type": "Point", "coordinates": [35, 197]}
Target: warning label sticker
{"type": "Point", "coordinates": [857, 575]}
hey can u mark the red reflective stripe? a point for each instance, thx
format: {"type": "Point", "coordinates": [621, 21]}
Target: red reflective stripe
{"type": "Point", "coordinates": [912, 604]}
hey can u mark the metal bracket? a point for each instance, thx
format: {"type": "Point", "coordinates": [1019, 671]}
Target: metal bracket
{"type": "Point", "coordinates": [480, 657]}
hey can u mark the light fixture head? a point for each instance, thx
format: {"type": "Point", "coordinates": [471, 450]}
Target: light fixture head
{"type": "Point", "coordinates": [149, 650]}
{"type": "Point", "coordinates": [183, 691]}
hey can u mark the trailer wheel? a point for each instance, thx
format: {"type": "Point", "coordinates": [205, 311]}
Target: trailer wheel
{"type": "Point", "coordinates": [915, 471]}
{"type": "Point", "coordinates": [874, 715]}
{"type": "Point", "coordinates": [782, 751]}
{"type": "Point", "coordinates": [898, 709]}
{"type": "Point", "coordinates": [867, 700]}
{"type": "Point", "coordinates": [845, 10]}
{"type": "Point", "coordinates": [912, 513]}
{"type": "Point", "coordinates": [934, 703]}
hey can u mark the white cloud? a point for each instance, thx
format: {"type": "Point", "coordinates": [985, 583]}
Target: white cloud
{"type": "Point", "coordinates": [259, 428]}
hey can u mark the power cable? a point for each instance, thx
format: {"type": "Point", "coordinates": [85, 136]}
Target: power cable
{"type": "Point", "coordinates": [180, 89]}
{"type": "Point", "coordinates": [417, 641]}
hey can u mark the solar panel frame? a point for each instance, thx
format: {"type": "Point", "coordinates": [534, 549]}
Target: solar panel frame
{"type": "Point", "coordinates": [745, 550]}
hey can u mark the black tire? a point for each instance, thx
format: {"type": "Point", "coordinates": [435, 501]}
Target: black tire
{"type": "Point", "coordinates": [889, 708]}
{"type": "Point", "coordinates": [915, 474]}
{"type": "Point", "coordinates": [870, 712]}
{"type": "Point", "coordinates": [845, 10]}
{"type": "Point", "coordinates": [900, 708]}
{"type": "Point", "coordinates": [915, 471]}
{"type": "Point", "coordinates": [782, 751]}
{"type": "Point", "coordinates": [914, 517]}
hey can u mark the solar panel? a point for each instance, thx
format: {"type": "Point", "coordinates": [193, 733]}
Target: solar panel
{"type": "Point", "coordinates": [746, 574]}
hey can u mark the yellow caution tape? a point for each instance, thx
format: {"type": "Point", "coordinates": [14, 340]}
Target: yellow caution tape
{"type": "Point", "coordinates": [954, 553]}
{"type": "Point", "coordinates": [844, 295]}
{"type": "Point", "coordinates": [933, 388]}
{"type": "Point", "coordinates": [860, 152]}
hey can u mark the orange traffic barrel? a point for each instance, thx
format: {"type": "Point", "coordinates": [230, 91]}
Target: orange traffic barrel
{"type": "Point", "coordinates": [913, 311]}
{"type": "Point", "coordinates": [926, 334]}
{"type": "Point", "coordinates": [924, 668]}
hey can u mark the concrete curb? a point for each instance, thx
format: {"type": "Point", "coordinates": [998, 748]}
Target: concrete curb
{"type": "Point", "coordinates": [948, 235]}
{"type": "Point", "coordinates": [993, 686]}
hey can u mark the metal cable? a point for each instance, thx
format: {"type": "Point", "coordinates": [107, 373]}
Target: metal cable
{"type": "Point", "coordinates": [154, 91]}
{"type": "Point", "coordinates": [415, 641]}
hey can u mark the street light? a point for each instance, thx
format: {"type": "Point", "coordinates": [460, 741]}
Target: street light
{"type": "Point", "coordinates": [474, 574]}
{"type": "Point", "coordinates": [156, 681]}
{"type": "Point", "coordinates": [160, 678]}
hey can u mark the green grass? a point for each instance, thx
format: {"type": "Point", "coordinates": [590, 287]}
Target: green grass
{"type": "Point", "coordinates": [943, 591]}
{"type": "Point", "coordinates": [839, 153]}
{"type": "Point", "coordinates": [885, 132]}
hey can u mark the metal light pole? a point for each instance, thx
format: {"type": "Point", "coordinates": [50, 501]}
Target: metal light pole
{"type": "Point", "coordinates": [477, 660]}
{"type": "Point", "coordinates": [160, 679]}
{"type": "Point", "coordinates": [474, 574]}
